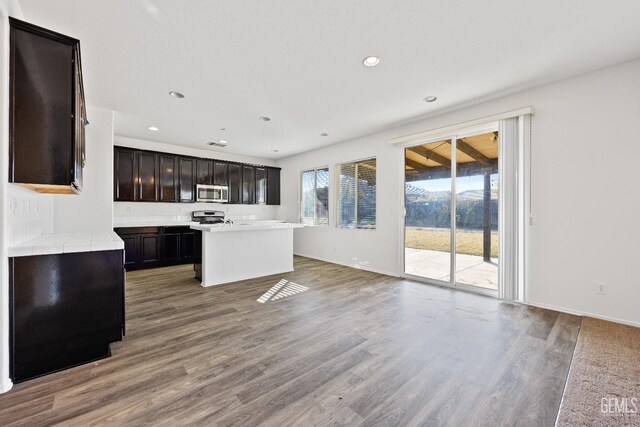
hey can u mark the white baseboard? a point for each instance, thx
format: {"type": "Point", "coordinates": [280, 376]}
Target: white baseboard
{"type": "Point", "coordinates": [582, 313]}
{"type": "Point", "coordinates": [532, 303]}
{"type": "Point", "coordinates": [356, 266]}
{"type": "Point", "coordinates": [6, 386]}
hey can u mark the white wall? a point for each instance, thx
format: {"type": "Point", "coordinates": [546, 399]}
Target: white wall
{"type": "Point", "coordinates": [585, 193]}
{"type": "Point", "coordinates": [91, 210]}
{"type": "Point", "coordinates": [7, 8]}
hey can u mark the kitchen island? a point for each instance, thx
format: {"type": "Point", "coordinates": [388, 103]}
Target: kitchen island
{"type": "Point", "coordinates": [233, 252]}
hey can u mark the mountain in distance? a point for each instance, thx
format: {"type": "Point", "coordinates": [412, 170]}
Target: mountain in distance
{"type": "Point", "coordinates": [417, 194]}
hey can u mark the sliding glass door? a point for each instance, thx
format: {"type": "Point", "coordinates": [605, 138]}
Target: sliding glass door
{"type": "Point", "coordinates": [451, 202]}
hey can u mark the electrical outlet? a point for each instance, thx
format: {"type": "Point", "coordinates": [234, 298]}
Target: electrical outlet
{"type": "Point", "coordinates": [602, 289]}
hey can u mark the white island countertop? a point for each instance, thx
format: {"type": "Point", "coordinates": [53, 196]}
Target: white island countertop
{"type": "Point", "coordinates": [244, 250]}
{"type": "Point", "coordinates": [246, 226]}
{"type": "Point", "coordinates": [62, 243]}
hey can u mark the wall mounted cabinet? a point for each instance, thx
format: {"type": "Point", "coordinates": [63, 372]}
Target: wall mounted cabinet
{"type": "Point", "coordinates": [46, 109]}
{"type": "Point", "coordinates": [125, 175]}
{"type": "Point", "coordinates": [149, 176]}
{"type": "Point", "coordinates": [273, 186]}
{"type": "Point", "coordinates": [235, 183]}
{"type": "Point", "coordinates": [248, 184]}
{"type": "Point", "coordinates": [169, 174]}
{"type": "Point", "coordinates": [205, 172]}
{"type": "Point", "coordinates": [220, 173]}
{"type": "Point", "coordinates": [261, 185]}
{"type": "Point", "coordinates": [186, 181]}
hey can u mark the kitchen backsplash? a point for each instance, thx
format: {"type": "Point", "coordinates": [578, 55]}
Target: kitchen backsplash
{"type": "Point", "coordinates": [29, 214]}
{"type": "Point", "coordinates": [134, 211]}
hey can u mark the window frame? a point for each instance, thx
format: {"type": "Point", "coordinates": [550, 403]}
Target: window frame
{"type": "Point", "coordinates": [338, 169]}
{"type": "Point", "coordinates": [315, 188]}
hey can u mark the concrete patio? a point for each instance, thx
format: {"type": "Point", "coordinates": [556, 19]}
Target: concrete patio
{"type": "Point", "coordinates": [470, 269]}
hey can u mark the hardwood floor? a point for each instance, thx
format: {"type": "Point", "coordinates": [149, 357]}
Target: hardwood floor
{"type": "Point", "coordinates": [356, 348]}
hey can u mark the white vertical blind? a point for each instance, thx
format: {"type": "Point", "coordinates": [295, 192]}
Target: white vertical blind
{"type": "Point", "coordinates": [314, 200]}
{"type": "Point", "coordinates": [357, 194]}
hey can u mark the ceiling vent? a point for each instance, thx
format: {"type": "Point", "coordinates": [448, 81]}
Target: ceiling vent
{"type": "Point", "coordinates": [217, 144]}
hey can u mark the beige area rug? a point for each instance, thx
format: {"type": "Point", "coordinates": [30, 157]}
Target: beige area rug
{"type": "Point", "coordinates": [603, 387]}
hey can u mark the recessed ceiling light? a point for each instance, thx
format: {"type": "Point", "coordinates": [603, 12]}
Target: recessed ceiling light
{"type": "Point", "coordinates": [430, 98]}
{"type": "Point", "coordinates": [264, 118]}
{"type": "Point", "coordinates": [176, 94]}
{"type": "Point", "coordinates": [371, 61]}
{"type": "Point", "coordinates": [223, 141]}
{"type": "Point", "coordinates": [153, 129]}
{"type": "Point", "coordinates": [324, 134]}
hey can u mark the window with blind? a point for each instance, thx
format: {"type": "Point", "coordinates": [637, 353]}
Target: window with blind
{"type": "Point", "coordinates": [357, 194]}
{"type": "Point", "coordinates": [314, 200]}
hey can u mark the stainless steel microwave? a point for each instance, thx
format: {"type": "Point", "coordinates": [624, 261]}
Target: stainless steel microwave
{"type": "Point", "coordinates": [212, 193]}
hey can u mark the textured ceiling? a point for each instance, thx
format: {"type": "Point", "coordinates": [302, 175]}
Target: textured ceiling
{"type": "Point", "coordinates": [299, 61]}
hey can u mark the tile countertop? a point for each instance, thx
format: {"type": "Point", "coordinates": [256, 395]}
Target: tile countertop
{"type": "Point", "coordinates": [152, 223]}
{"type": "Point", "coordinates": [62, 243]}
{"type": "Point", "coordinates": [245, 226]}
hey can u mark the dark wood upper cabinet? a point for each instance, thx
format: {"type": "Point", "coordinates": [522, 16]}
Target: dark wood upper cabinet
{"type": "Point", "coordinates": [235, 183]}
{"type": "Point", "coordinates": [168, 170]}
{"type": "Point", "coordinates": [220, 173]}
{"type": "Point", "coordinates": [261, 185]}
{"type": "Point", "coordinates": [187, 182]}
{"type": "Point", "coordinates": [147, 177]}
{"type": "Point", "coordinates": [47, 112]}
{"type": "Point", "coordinates": [125, 174]}
{"type": "Point", "coordinates": [204, 172]}
{"type": "Point", "coordinates": [248, 184]}
{"type": "Point", "coordinates": [273, 186]}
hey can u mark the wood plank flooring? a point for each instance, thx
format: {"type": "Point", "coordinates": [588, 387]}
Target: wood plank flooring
{"type": "Point", "coordinates": [356, 348]}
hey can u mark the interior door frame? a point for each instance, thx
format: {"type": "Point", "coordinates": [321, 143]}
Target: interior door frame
{"type": "Point", "coordinates": [452, 135]}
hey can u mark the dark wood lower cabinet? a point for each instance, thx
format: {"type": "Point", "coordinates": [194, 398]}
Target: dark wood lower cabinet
{"type": "Point", "coordinates": [188, 246]}
{"type": "Point", "coordinates": [150, 250]}
{"type": "Point", "coordinates": [65, 310]}
{"type": "Point", "coordinates": [150, 247]}
{"type": "Point", "coordinates": [171, 247]}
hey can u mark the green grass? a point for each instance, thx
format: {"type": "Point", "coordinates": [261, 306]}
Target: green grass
{"type": "Point", "coordinates": [439, 239]}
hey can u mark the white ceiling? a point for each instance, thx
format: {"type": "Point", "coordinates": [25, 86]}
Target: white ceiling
{"type": "Point", "coordinates": [299, 61]}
